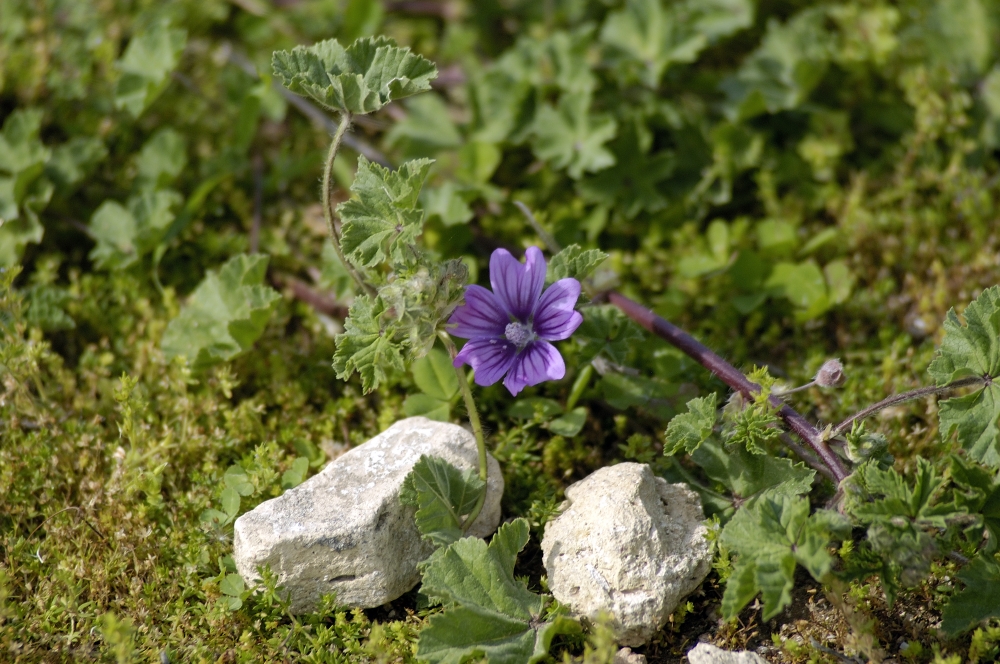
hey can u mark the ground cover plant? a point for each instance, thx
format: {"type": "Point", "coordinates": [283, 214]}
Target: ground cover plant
{"type": "Point", "coordinates": [232, 247]}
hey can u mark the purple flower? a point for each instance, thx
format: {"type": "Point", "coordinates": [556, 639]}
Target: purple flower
{"type": "Point", "coordinates": [509, 329]}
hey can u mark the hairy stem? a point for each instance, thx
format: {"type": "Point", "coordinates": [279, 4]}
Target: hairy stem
{"type": "Point", "coordinates": [547, 239]}
{"type": "Point", "coordinates": [328, 211]}
{"type": "Point", "coordinates": [477, 428]}
{"type": "Point", "coordinates": [731, 376]}
{"type": "Point", "coordinates": [900, 398]}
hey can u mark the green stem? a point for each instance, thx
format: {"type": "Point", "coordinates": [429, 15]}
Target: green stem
{"type": "Point", "coordinates": [477, 428]}
{"type": "Point", "coordinates": [579, 385]}
{"type": "Point", "coordinates": [328, 211]}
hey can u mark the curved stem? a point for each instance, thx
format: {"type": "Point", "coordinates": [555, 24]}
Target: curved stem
{"type": "Point", "coordinates": [900, 398]}
{"type": "Point", "coordinates": [477, 428]}
{"type": "Point", "coordinates": [731, 376]}
{"type": "Point", "coordinates": [327, 192]}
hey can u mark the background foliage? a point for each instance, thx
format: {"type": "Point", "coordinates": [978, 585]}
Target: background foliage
{"type": "Point", "coordinates": [788, 180]}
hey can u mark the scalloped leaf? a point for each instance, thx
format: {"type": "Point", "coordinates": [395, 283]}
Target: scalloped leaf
{"type": "Point", "coordinates": [359, 79]}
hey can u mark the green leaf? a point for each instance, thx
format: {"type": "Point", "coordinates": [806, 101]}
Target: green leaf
{"type": "Point", "coordinates": [488, 612]}
{"type": "Point", "coordinates": [569, 424]}
{"type": "Point", "coordinates": [295, 475]}
{"type": "Point", "coordinates": [124, 235]}
{"type": "Point", "coordinates": [161, 159]}
{"type": "Point", "coordinates": [427, 406]}
{"type": "Point", "coordinates": [652, 36]}
{"type": "Point", "coordinates": [24, 192]}
{"type": "Point", "coordinates": [772, 534]}
{"type": "Point", "coordinates": [803, 284]}
{"type": "Point", "coordinates": [334, 274]}
{"type": "Point", "coordinates": [363, 347]}
{"type": "Point", "coordinates": [977, 601]}
{"type": "Point", "coordinates": [224, 315]}
{"type": "Point", "coordinates": [72, 161]}
{"type": "Point", "coordinates": [786, 67]}
{"type": "Point", "coordinates": [972, 349]}
{"type": "Point", "coordinates": [427, 128]}
{"type": "Point", "coordinates": [230, 501]}
{"type": "Point", "coordinates": [529, 408]}
{"type": "Point", "coordinates": [747, 475]}
{"type": "Point", "coordinates": [689, 430]}
{"type": "Point", "coordinates": [385, 217]}
{"type": "Point", "coordinates": [237, 479]}
{"type": "Point", "coordinates": [443, 496]}
{"type": "Point", "coordinates": [883, 494]}
{"type": "Point", "coordinates": [574, 261]}
{"type": "Point", "coordinates": [633, 184]}
{"type": "Point", "coordinates": [625, 391]}
{"type": "Point", "coordinates": [45, 308]}
{"type": "Point", "coordinates": [146, 65]}
{"type": "Point", "coordinates": [569, 137]}
{"type": "Point", "coordinates": [233, 585]}
{"type": "Point", "coordinates": [606, 331]}
{"type": "Point", "coordinates": [362, 78]}
{"type": "Point", "coordinates": [435, 375]}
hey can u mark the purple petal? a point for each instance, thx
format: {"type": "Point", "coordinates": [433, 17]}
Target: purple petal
{"type": "Point", "coordinates": [482, 315]}
{"type": "Point", "coordinates": [538, 362]}
{"type": "Point", "coordinates": [489, 358]}
{"type": "Point", "coordinates": [554, 317]}
{"type": "Point", "coordinates": [518, 286]}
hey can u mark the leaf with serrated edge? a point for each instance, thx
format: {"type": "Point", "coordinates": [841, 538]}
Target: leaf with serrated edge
{"type": "Point", "coordinates": [689, 430]}
{"type": "Point", "coordinates": [488, 612]}
{"type": "Point", "coordinates": [385, 217]}
{"type": "Point", "coordinates": [771, 534]}
{"type": "Point", "coordinates": [747, 474]}
{"type": "Point", "coordinates": [224, 315]}
{"type": "Point", "coordinates": [360, 79]}
{"type": "Point", "coordinates": [574, 261]}
{"type": "Point", "coordinates": [364, 348]}
{"type": "Point", "coordinates": [977, 601]}
{"type": "Point", "coordinates": [570, 137]}
{"type": "Point", "coordinates": [443, 495]}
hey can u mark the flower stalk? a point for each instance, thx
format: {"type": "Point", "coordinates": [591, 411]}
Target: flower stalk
{"type": "Point", "coordinates": [732, 377]}
{"type": "Point", "coordinates": [477, 427]}
{"type": "Point", "coordinates": [328, 211]}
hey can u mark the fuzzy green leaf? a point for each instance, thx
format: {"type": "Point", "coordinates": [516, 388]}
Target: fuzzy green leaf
{"type": "Point", "coordinates": [427, 406]}
{"type": "Point", "coordinates": [689, 430]}
{"type": "Point", "coordinates": [489, 613]}
{"type": "Point", "coordinates": [225, 314]}
{"type": "Point", "coordinates": [23, 190]}
{"type": "Point", "coordinates": [972, 349]}
{"type": "Point", "coordinates": [772, 534]}
{"type": "Point", "coordinates": [124, 235]}
{"type": "Point", "coordinates": [746, 474]}
{"type": "Point", "coordinates": [574, 261]}
{"type": "Point", "coordinates": [606, 330]}
{"type": "Point", "coordinates": [386, 216]}
{"type": "Point", "coordinates": [443, 496]}
{"type": "Point", "coordinates": [570, 137]}
{"type": "Point", "coordinates": [978, 600]}
{"type": "Point", "coordinates": [145, 66]}
{"type": "Point", "coordinates": [362, 78]}
{"type": "Point", "coordinates": [364, 348]}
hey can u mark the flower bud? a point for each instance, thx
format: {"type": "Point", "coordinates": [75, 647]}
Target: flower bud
{"type": "Point", "coordinates": [831, 374]}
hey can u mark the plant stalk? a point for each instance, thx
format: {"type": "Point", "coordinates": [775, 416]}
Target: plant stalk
{"type": "Point", "coordinates": [900, 398]}
{"type": "Point", "coordinates": [328, 211]}
{"type": "Point", "coordinates": [477, 428]}
{"type": "Point", "coordinates": [731, 376]}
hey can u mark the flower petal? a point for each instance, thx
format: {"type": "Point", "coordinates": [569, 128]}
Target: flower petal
{"type": "Point", "coordinates": [489, 358]}
{"type": "Point", "coordinates": [518, 286]}
{"type": "Point", "coordinates": [554, 316]}
{"type": "Point", "coordinates": [482, 315]}
{"type": "Point", "coordinates": [538, 362]}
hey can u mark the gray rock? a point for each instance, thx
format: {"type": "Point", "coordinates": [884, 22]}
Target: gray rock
{"type": "Point", "coordinates": [344, 530]}
{"type": "Point", "coordinates": [704, 653]}
{"type": "Point", "coordinates": [627, 544]}
{"type": "Point", "coordinates": [626, 656]}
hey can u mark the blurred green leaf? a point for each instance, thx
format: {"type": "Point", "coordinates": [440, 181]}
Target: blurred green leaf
{"type": "Point", "coordinates": [224, 315]}
{"type": "Point", "coordinates": [146, 65]}
{"type": "Point", "coordinates": [569, 136]}
{"type": "Point", "coordinates": [435, 375]}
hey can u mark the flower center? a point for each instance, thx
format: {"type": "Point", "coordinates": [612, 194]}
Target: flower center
{"type": "Point", "coordinates": [519, 334]}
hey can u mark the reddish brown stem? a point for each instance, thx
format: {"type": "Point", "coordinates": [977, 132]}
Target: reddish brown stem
{"type": "Point", "coordinates": [730, 375]}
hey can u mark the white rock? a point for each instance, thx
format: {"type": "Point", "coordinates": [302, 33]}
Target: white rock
{"type": "Point", "coordinates": [344, 530]}
{"type": "Point", "coordinates": [626, 656]}
{"type": "Point", "coordinates": [627, 544]}
{"type": "Point", "coordinates": [704, 653]}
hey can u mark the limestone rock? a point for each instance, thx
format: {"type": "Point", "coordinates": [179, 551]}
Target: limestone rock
{"type": "Point", "coordinates": [629, 544]}
{"type": "Point", "coordinates": [344, 530]}
{"type": "Point", "coordinates": [704, 653]}
{"type": "Point", "coordinates": [626, 656]}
